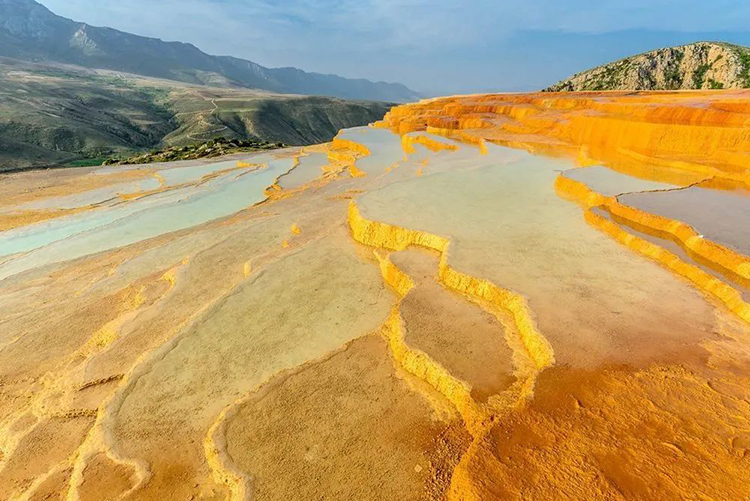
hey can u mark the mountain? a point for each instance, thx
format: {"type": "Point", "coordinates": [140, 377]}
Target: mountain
{"type": "Point", "coordinates": [29, 31]}
{"type": "Point", "coordinates": [700, 65]}
{"type": "Point", "coordinates": [51, 114]}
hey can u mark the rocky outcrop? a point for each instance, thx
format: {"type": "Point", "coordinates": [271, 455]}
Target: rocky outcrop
{"type": "Point", "coordinates": [700, 65]}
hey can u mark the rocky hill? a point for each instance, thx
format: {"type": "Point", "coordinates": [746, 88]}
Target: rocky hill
{"type": "Point", "coordinates": [700, 65]}
{"type": "Point", "coordinates": [29, 31]}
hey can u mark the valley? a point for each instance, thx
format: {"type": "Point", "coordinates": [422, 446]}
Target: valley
{"type": "Point", "coordinates": [54, 115]}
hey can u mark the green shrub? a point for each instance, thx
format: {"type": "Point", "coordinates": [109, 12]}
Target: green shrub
{"type": "Point", "coordinates": [700, 75]}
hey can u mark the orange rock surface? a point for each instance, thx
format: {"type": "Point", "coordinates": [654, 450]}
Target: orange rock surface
{"type": "Point", "coordinates": [478, 298]}
{"type": "Point", "coordinates": [692, 133]}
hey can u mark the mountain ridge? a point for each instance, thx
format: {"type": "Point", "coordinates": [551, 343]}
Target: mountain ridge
{"type": "Point", "coordinates": [698, 65]}
{"type": "Point", "coordinates": [30, 31]}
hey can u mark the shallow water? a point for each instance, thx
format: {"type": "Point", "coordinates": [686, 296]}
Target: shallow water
{"type": "Point", "coordinates": [385, 148]}
{"type": "Point", "coordinates": [304, 307]}
{"type": "Point", "coordinates": [309, 168]}
{"type": "Point", "coordinates": [721, 216]}
{"type": "Point", "coordinates": [80, 235]}
{"type": "Point", "coordinates": [91, 197]}
{"type": "Point", "coordinates": [456, 332]}
{"type": "Point", "coordinates": [507, 224]}
{"type": "Point", "coordinates": [678, 250]}
{"type": "Point", "coordinates": [610, 183]}
{"type": "Point", "coordinates": [37, 235]}
{"type": "Point", "coordinates": [181, 175]}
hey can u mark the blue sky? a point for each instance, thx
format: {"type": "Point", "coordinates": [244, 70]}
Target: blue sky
{"type": "Point", "coordinates": [433, 46]}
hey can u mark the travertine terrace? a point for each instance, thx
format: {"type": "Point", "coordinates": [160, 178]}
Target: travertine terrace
{"type": "Point", "coordinates": [541, 296]}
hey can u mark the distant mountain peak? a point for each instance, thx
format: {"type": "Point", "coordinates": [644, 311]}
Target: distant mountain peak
{"type": "Point", "coordinates": [27, 18]}
{"type": "Point", "coordinates": [30, 31]}
{"type": "Point", "coordinates": [699, 65]}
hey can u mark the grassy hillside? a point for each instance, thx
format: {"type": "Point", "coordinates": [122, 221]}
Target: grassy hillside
{"type": "Point", "coordinates": [56, 114]}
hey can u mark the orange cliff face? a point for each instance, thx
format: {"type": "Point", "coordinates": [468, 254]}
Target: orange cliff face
{"type": "Point", "coordinates": [649, 134]}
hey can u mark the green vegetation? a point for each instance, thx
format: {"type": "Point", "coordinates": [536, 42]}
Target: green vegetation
{"type": "Point", "coordinates": [699, 76]}
{"type": "Point", "coordinates": [209, 149]}
{"type": "Point", "coordinates": [87, 162]}
{"type": "Point", "coordinates": [610, 76]}
{"type": "Point", "coordinates": [673, 76]}
{"type": "Point", "coordinates": [649, 80]}
{"type": "Point", "coordinates": [744, 56]}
